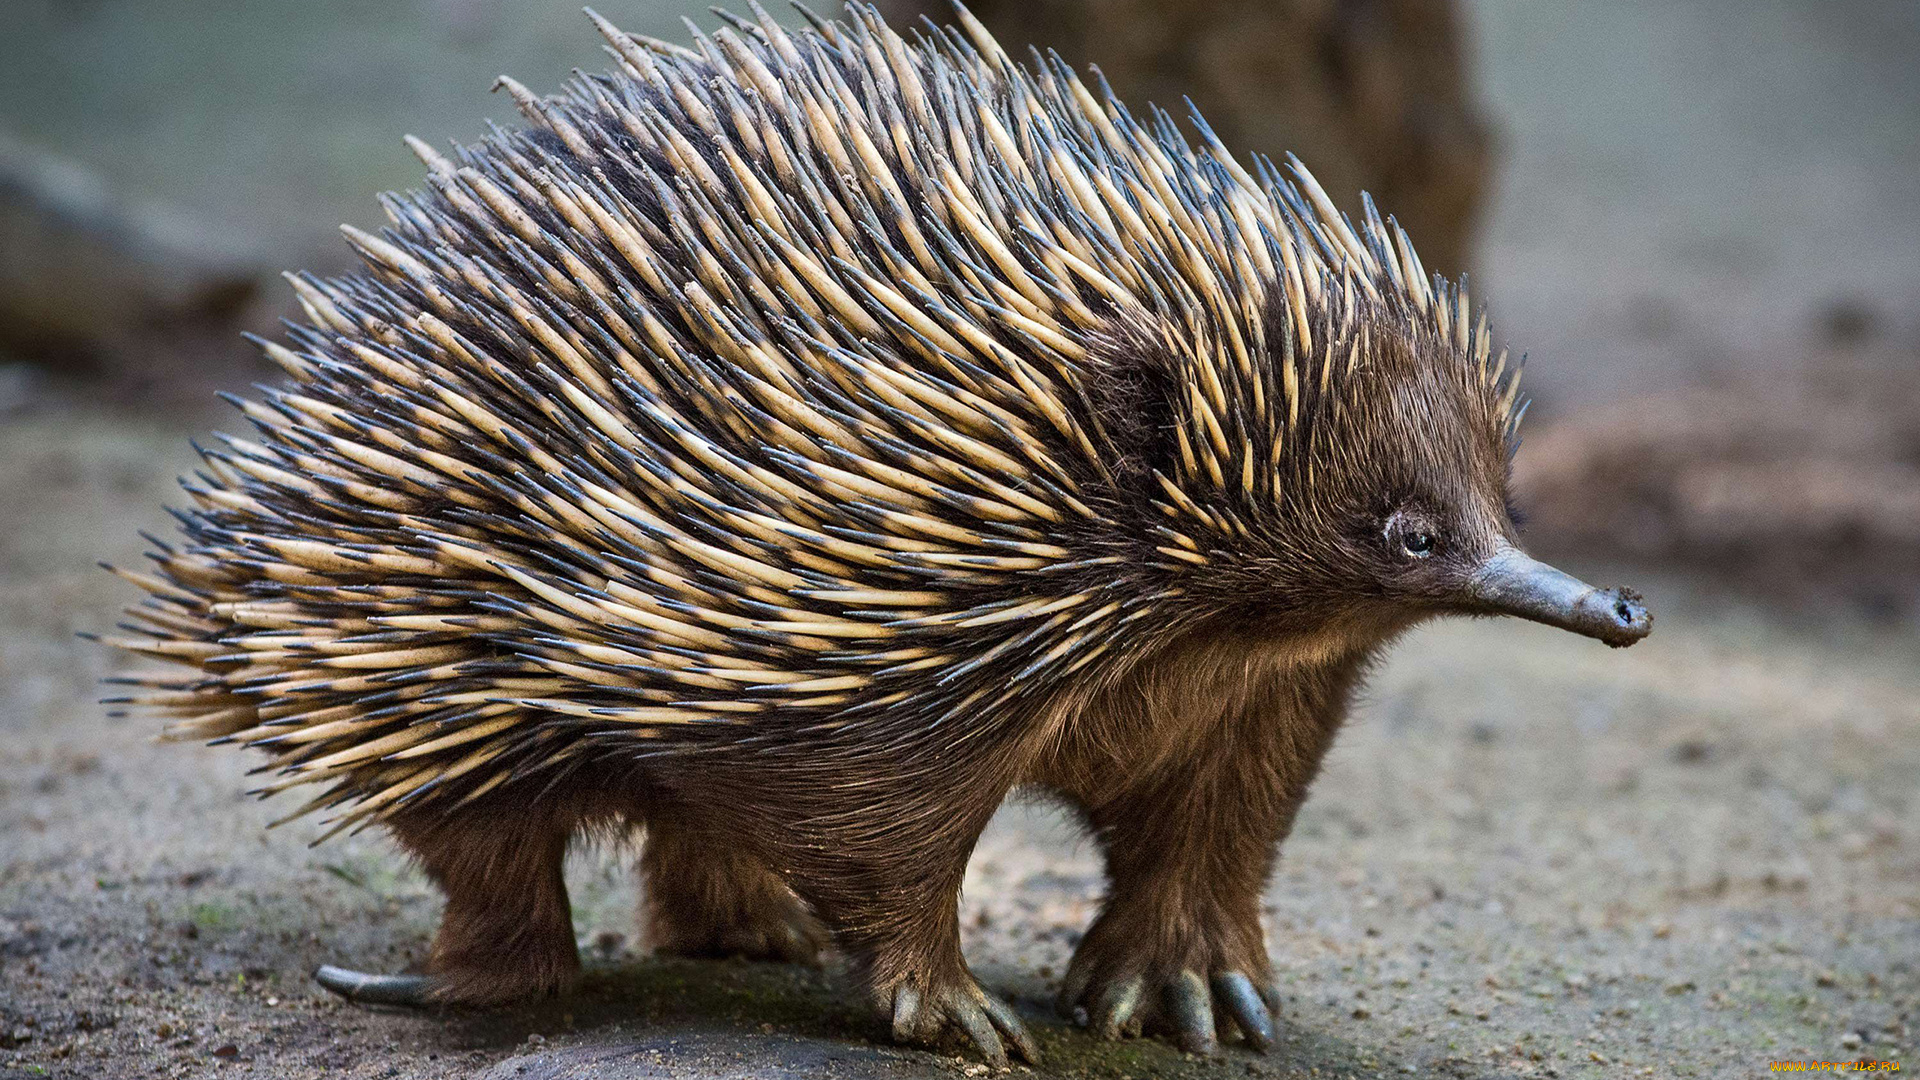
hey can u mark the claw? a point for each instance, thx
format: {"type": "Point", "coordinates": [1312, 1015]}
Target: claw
{"type": "Point", "coordinates": [1117, 1005]}
{"type": "Point", "coordinates": [979, 1027]}
{"type": "Point", "coordinates": [358, 986]}
{"type": "Point", "coordinates": [991, 1024]}
{"type": "Point", "coordinates": [1072, 989]}
{"type": "Point", "coordinates": [906, 1013]}
{"type": "Point", "coordinates": [1248, 1010]}
{"type": "Point", "coordinates": [1190, 1007]}
{"type": "Point", "coordinates": [1013, 1028]}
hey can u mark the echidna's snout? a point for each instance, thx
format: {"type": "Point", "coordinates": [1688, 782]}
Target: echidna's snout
{"type": "Point", "coordinates": [1510, 582]}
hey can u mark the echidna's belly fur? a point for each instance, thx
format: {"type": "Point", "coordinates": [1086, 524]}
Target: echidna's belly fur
{"type": "Point", "coordinates": [1203, 696]}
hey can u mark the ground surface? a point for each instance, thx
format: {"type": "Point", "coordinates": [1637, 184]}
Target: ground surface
{"type": "Point", "coordinates": [1529, 856]}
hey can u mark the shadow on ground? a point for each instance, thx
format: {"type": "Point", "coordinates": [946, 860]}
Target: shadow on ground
{"type": "Point", "coordinates": [732, 1019]}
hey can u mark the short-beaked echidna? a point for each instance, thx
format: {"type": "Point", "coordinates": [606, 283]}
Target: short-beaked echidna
{"type": "Point", "coordinates": [791, 444]}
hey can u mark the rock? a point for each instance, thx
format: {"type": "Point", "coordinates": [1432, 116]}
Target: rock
{"type": "Point", "coordinates": [92, 282]}
{"type": "Point", "coordinates": [1848, 321]}
{"type": "Point", "coordinates": [713, 1055]}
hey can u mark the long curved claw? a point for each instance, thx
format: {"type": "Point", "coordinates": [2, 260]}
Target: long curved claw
{"type": "Point", "coordinates": [1010, 1025]}
{"type": "Point", "coordinates": [989, 1023]}
{"type": "Point", "coordinates": [979, 1027]}
{"type": "Point", "coordinates": [799, 944]}
{"type": "Point", "coordinates": [411, 991]}
{"type": "Point", "coordinates": [783, 943]}
{"type": "Point", "coordinates": [1189, 1007]}
{"type": "Point", "coordinates": [1245, 1005]}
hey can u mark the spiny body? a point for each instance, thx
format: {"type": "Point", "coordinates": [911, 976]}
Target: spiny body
{"type": "Point", "coordinates": [802, 439]}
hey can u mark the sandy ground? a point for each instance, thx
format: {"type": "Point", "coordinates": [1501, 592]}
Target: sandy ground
{"type": "Point", "coordinates": [1529, 856]}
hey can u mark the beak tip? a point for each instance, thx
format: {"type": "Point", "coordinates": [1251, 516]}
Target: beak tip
{"type": "Point", "coordinates": [1628, 617]}
{"type": "Point", "coordinates": [1510, 582]}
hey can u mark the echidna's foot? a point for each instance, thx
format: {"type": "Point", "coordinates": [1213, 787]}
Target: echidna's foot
{"type": "Point", "coordinates": [1192, 1009]}
{"type": "Point", "coordinates": [505, 980]}
{"type": "Point", "coordinates": [409, 991]}
{"type": "Point", "coordinates": [783, 933]}
{"type": "Point", "coordinates": [704, 900]}
{"type": "Point", "coordinates": [1115, 991]}
{"type": "Point", "coordinates": [922, 1015]}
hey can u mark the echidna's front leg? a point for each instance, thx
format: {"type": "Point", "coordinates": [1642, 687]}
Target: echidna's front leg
{"type": "Point", "coordinates": [1179, 943]}
{"type": "Point", "coordinates": [1178, 947]}
{"type": "Point", "coordinates": [707, 896]}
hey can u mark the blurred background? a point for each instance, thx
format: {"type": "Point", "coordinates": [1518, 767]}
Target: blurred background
{"type": "Point", "coordinates": [1700, 219]}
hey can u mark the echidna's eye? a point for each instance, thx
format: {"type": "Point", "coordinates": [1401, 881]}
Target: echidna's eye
{"type": "Point", "coordinates": [1418, 544]}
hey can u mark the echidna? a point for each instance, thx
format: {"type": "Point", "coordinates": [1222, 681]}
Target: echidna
{"type": "Point", "coordinates": [792, 443]}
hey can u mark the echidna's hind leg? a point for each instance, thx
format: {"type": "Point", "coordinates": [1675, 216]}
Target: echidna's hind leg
{"type": "Point", "coordinates": [879, 862]}
{"type": "Point", "coordinates": [708, 897]}
{"type": "Point", "coordinates": [893, 908]}
{"type": "Point", "coordinates": [507, 931]}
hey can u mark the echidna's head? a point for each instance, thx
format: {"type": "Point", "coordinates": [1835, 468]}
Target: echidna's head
{"type": "Point", "coordinates": [1400, 508]}
{"type": "Point", "coordinates": [1389, 500]}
